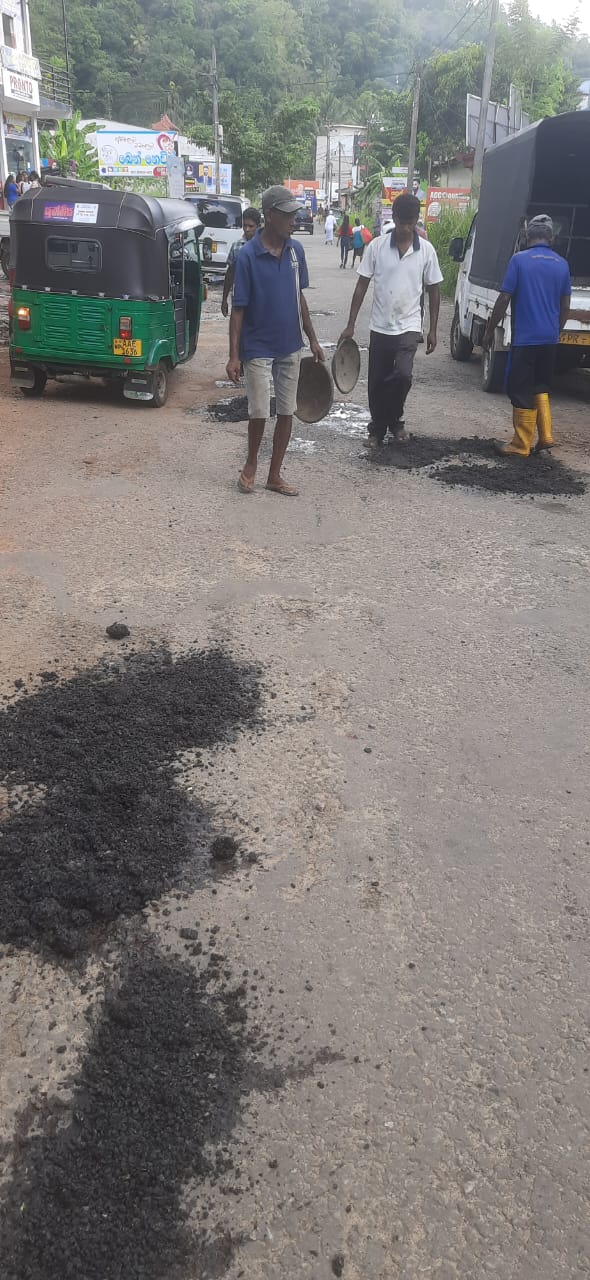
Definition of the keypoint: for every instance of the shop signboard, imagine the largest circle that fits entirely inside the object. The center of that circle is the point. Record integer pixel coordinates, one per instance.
(140, 153)
(200, 176)
(17, 60)
(20, 88)
(458, 199)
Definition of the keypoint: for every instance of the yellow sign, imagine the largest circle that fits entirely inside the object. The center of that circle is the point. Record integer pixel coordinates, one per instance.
(126, 346)
(575, 339)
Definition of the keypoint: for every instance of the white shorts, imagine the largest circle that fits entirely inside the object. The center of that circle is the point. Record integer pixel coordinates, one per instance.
(284, 373)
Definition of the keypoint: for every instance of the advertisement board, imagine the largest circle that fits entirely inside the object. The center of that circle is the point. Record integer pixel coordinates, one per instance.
(200, 176)
(441, 198)
(20, 88)
(142, 153)
(304, 189)
(396, 182)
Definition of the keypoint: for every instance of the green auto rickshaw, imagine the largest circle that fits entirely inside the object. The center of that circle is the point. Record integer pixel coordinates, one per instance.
(106, 284)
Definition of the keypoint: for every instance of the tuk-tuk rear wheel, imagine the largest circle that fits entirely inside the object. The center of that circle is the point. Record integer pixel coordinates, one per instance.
(38, 386)
(160, 386)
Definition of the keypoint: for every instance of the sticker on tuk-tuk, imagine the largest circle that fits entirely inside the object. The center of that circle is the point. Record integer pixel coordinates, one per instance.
(63, 211)
(127, 347)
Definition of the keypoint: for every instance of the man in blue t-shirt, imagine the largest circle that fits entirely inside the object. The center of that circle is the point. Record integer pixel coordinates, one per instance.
(268, 320)
(537, 284)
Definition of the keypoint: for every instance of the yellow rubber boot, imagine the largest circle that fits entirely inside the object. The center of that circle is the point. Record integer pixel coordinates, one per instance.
(525, 423)
(543, 410)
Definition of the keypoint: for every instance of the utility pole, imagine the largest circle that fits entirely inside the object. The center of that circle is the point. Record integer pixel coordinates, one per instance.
(328, 167)
(485, 98)
(215, 97)
(339, 173)
(413, 133)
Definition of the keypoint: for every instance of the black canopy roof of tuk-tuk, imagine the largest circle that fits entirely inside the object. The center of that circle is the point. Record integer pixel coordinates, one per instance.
(118, 210)
(548, 163)
(132, 230)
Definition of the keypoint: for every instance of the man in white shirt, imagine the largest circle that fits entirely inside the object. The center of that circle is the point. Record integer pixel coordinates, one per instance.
(329, 226)
(401, 265)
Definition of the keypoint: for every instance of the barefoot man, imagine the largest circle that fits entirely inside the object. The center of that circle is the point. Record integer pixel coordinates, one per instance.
(268, 321)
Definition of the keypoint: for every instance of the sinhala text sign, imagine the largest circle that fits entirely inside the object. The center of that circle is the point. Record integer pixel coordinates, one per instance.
(142, 153)
(458, 199)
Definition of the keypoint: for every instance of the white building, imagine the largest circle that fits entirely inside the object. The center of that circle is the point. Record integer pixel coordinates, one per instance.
(28, 92)
(336, 160)
(584, 92)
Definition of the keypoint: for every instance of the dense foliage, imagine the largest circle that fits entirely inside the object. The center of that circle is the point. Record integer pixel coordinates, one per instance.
(288, 66)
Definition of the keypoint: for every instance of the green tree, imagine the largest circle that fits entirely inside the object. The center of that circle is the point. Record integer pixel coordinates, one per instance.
(69, 149)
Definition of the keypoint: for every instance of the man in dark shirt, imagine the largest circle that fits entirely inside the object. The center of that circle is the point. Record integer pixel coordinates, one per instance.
(268, 320)
(537, 284)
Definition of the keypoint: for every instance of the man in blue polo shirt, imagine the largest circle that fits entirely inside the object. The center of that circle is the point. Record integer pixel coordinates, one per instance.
(268, 321)
(537, 283)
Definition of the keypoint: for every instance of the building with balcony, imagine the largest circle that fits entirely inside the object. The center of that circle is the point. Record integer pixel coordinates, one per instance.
(28, 92)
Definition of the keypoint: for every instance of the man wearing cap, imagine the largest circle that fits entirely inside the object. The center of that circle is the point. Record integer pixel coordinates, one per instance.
(401, 265)
(537, 284)
(268, 321)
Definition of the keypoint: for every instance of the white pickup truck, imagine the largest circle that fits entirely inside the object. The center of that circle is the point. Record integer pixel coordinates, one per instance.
(4, 240)
(544, 169)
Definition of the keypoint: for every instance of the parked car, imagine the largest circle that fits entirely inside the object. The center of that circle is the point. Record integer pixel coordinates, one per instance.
(519, 180)
(222, 226)
(304, 219)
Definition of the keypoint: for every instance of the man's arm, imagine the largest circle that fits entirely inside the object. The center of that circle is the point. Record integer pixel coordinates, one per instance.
(357, 300)
(227, 287)
(433, 291)
(498, 312)
(564, 311)
(308, 329)
(235, 333)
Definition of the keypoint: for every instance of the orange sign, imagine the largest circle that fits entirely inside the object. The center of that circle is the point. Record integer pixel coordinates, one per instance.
(458, 199)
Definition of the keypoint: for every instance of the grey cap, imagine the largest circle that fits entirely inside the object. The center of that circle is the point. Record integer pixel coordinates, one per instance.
(279, 198)
(541, 225)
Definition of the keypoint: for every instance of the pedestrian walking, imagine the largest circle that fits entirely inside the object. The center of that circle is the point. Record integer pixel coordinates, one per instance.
(329, 227)
(400, 264)
(344, 235)
(358, 244)
(268, 320)
(250, 223)
(11, 191)
(537, 284)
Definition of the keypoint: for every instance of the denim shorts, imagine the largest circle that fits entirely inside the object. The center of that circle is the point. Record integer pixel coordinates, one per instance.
(283, 372)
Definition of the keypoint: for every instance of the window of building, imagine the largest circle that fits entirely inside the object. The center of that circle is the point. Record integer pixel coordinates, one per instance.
(65, 254)
(8, 33)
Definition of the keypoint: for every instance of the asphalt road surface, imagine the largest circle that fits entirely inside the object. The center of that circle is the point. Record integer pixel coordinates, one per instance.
(294, 901)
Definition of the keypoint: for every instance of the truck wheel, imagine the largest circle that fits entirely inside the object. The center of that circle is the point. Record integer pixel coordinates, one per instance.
(160, 386)
(38, 386)
(493, 369)
(461, 347)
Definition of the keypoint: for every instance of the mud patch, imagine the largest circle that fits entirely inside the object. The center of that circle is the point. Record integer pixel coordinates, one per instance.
(541, 474)
(98, 1187)
(108, 828)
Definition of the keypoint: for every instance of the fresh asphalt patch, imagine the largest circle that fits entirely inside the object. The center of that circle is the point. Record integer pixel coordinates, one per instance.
(96, 823)
(540, 475)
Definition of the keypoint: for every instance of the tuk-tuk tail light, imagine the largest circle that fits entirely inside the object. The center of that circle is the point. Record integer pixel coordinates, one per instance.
(125, 327)
(23, 317)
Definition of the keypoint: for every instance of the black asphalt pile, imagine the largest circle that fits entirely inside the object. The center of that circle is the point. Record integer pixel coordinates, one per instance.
(540, 475)
(233, 409)
(106, 827)
(98, 1188)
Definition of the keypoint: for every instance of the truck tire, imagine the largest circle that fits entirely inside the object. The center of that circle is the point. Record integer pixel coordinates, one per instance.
(461, 347)
(38, 386)
(493, 369)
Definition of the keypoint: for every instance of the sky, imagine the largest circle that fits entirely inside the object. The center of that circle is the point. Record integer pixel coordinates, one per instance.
(546, 10)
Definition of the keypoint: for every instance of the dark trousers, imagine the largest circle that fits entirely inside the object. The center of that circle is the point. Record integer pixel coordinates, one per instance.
(530, 374)
(344, 249)
(357, 253)
(391, 359)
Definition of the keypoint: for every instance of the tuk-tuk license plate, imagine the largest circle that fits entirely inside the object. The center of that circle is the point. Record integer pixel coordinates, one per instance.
(126, 346)
(575, 339)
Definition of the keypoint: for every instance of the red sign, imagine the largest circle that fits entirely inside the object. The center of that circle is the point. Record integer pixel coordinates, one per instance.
(458, 199)
(54, 212)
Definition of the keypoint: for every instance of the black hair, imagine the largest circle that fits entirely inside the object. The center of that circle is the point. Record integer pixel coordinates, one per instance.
(406, 208)
(252, 215)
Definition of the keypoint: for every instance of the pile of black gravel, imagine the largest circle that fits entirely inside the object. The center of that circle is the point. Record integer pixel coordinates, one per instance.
(540, 475)
(105, 828)
(98, 1185)
(233, 409)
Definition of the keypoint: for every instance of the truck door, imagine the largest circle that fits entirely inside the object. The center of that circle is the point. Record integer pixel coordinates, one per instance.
(462, 293)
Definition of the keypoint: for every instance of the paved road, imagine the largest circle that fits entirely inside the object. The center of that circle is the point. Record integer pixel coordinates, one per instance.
(411, 942)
